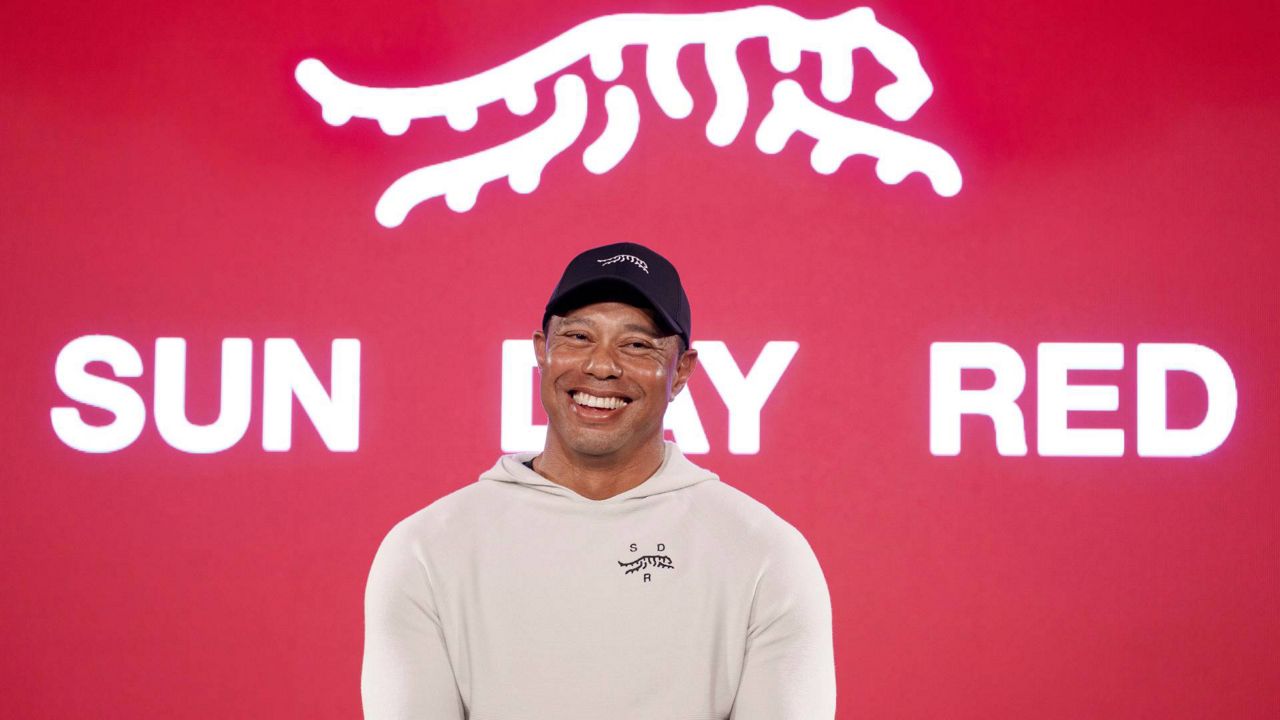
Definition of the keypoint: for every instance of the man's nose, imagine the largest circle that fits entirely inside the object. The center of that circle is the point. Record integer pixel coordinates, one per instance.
(601, 363)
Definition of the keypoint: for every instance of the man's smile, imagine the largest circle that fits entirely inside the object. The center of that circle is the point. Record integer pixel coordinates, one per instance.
(597, 406)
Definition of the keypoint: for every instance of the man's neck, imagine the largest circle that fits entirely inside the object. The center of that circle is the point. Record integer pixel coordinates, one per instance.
(599, 477)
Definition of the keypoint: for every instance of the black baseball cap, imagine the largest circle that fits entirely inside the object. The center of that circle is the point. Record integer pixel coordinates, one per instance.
(623, 272)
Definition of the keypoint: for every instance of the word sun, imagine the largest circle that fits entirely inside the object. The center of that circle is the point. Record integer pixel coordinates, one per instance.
(286, 376)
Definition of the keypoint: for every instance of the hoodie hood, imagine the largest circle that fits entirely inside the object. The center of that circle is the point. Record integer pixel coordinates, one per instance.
(675, 472)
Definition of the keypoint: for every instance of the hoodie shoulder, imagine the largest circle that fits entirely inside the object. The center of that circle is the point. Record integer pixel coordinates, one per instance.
(452, 514)
(747, 515)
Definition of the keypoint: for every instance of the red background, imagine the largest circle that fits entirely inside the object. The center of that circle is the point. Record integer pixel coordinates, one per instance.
(165, 176)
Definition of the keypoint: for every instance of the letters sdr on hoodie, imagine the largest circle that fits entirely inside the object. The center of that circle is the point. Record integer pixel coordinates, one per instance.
(515, 598)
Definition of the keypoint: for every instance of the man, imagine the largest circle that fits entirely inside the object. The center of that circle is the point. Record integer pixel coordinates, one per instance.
(606, 577)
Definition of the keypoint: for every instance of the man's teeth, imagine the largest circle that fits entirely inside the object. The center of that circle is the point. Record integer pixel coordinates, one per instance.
(606, 403)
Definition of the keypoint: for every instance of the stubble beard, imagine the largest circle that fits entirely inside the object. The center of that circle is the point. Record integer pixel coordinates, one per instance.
(598, 443)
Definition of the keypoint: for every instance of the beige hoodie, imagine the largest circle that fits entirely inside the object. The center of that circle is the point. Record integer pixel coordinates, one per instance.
(515, 598)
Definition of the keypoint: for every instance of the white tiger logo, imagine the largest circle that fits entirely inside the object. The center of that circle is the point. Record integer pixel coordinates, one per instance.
(629, 258)
(522, 159)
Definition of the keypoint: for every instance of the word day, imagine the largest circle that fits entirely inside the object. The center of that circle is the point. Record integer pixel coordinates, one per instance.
(744, 396)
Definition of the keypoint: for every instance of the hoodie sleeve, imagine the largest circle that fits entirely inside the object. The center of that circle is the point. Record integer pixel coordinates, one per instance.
(406, 673)
(789, 669)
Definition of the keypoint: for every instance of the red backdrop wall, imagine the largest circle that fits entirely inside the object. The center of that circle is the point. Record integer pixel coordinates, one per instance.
(165, 176)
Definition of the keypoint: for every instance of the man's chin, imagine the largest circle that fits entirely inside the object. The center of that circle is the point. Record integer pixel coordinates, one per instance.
(597, 445)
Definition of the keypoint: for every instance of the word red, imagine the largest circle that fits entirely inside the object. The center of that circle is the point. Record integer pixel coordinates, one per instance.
(1055, 398)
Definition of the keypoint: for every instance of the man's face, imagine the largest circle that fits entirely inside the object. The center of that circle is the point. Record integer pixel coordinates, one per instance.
(607, 375)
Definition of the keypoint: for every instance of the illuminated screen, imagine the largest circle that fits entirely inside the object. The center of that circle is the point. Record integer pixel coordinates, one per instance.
(983, 296)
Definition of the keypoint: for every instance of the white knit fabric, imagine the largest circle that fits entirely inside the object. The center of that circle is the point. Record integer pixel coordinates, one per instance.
(515, 598)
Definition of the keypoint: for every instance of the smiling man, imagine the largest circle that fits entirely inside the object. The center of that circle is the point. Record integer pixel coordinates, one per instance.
(606, 577)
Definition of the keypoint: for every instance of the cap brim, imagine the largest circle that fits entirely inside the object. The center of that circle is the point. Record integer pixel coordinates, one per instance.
(607, 289)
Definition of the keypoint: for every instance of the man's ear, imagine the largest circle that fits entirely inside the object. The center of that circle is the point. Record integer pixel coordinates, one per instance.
(684, 368)
(540, 348)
